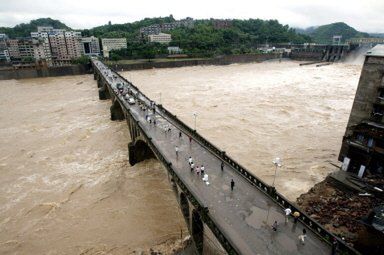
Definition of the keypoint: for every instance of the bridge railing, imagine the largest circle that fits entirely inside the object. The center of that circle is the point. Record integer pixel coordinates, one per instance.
(270, 191)
(192, 197)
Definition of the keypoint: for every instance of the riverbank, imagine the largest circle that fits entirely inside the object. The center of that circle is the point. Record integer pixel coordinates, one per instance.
(141, 64)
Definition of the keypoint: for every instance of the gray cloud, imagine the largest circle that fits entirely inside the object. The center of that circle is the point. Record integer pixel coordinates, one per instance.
(362, 15)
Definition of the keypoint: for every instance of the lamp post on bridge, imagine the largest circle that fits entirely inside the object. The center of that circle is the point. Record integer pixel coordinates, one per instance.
(277, 163)
(195, 115)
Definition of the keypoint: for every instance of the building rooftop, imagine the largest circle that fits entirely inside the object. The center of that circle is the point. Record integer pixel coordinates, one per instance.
(377, 51)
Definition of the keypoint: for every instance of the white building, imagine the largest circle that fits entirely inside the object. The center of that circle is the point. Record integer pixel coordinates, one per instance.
(174, 50)
(160, 38)
(91, 46)
(109, 44)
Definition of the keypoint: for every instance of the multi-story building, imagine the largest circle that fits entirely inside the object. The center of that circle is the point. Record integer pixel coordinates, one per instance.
(41, 47)
(165, 27)
(160, 38)
(362, 149)
(109, 44)
(26, 48)
(91, 46)
(150, 30)
(4, 54)
(56, 46)
(73, 43)
(13, 48)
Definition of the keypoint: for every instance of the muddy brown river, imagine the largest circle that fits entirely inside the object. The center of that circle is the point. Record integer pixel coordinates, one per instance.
(66, 186)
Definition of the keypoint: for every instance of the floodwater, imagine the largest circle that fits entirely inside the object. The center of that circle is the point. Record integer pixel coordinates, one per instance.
(257, 112)
(66, 186)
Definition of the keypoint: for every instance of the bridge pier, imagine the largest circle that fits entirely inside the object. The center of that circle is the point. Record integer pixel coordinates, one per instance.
(116, 111)
(138, 152)
(104, 93)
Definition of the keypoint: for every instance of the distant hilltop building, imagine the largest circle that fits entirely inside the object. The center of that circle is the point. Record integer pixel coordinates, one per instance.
(165, 27)
(362, 149)
(109, 44)
(221, 23)
(160, 38)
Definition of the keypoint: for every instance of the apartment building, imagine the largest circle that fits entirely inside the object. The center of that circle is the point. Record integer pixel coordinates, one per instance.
(4, 54)
(109, 44)
(41, 47)
(165, 27)
(362, 150)
(91, 46)
(160, 38)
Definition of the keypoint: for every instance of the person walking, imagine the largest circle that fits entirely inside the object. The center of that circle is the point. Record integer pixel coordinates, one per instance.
(287, 211)
(197, 170)
(179, 134)
(202, 168)
(190, 160)
(303, 236)
(296, 216)
(274, 226)
(222, 165)
(232, 184)
(192, 166)
(190, 139)
(177, 151)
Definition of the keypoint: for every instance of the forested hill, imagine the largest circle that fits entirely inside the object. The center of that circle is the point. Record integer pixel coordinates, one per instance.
(25, 29)
(325, 33)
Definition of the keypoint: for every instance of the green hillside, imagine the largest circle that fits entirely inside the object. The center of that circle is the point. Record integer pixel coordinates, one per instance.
(25, 29)
(324, 34)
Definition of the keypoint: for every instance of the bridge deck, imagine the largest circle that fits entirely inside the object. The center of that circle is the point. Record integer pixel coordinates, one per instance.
(245, 214)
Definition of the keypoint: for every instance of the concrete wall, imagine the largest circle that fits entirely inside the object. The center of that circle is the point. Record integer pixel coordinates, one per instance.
(49, 72)
(225, 60)
(367, 90)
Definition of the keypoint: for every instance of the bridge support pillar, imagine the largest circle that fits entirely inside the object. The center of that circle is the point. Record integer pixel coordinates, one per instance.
(138, 152)
(116, 111)
(104, 93)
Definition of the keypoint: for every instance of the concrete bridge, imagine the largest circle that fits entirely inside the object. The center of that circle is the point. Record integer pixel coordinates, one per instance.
(220, 221)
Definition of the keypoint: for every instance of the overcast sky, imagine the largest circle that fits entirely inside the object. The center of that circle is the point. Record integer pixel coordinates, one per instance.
(364, 15)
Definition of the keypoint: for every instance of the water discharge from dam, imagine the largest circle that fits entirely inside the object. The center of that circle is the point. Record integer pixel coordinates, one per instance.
(67, 187)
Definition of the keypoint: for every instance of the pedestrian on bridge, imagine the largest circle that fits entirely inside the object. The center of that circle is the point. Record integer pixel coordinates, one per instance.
(177, 151)
(190, 160)
(303, 236)
(274, 226)
(190, 139)
(197, 170)
(222, 166)
(287, 211)
(192, 166)
(232, 184)
(179, 134)
(202, 168)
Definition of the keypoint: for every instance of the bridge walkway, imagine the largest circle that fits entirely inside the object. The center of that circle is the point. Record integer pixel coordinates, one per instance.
(245, 214)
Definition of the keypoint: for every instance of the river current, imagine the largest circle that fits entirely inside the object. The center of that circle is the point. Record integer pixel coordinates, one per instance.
(66, 186)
